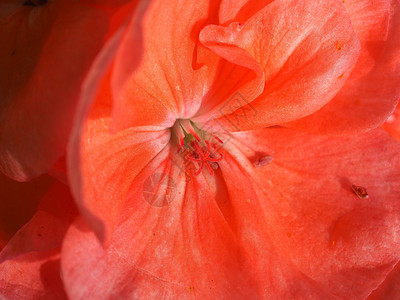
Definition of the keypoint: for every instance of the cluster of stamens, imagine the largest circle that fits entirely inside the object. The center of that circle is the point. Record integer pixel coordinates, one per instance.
(203, 151)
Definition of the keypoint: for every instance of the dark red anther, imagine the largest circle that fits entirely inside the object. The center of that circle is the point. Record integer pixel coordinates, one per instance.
(360, 191)
(263, 160)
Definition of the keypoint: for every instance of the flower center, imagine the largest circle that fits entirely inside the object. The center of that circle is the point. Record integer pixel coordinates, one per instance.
(198, 147)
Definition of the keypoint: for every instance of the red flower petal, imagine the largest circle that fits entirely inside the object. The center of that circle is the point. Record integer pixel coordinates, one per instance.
(169, 82)
(19, 202)
(35, 275)
(293, 228)
(301, 65)
(93, 120)
(44, 56)
(240, 10)
(309, 211)
(392, 125)
(373, 88)
(29, 264)
(103, 165)
(179, 250)
(390, 288)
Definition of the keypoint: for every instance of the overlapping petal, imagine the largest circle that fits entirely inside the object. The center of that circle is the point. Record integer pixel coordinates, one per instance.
(18, 203)
(103, 164)
(345, 244)
(92, 129)
(29, 264)
(291, 228)
(373, 88)
(44, 57)
(169, 82)
(108, 165)
(181, 250)
(392, 124)
(390, 288)
(306, 50)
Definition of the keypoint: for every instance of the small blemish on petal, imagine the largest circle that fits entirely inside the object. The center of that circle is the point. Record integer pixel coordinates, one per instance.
(341, 76)
(263, 160)
(339, 46)
(360, 191)
(289, 234)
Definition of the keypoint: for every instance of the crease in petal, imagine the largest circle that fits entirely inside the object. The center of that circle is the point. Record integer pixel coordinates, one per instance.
(103, 164)
(389, 288)
(240, 80)
(177, 246)
(372, 91)
(95, 107)
(301, 64)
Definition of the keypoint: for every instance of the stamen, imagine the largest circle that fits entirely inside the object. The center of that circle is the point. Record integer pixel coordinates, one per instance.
(198, 147)
(217, 138)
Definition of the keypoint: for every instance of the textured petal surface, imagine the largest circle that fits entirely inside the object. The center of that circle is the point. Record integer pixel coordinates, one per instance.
(94, 153)
(390, 288)
(168, 83)
(171, 242)
(240, 10)
(345, 244)
(302, 47)
(29, 264)
(373, 88)
(292, 228)
(103, 164)
(44, 56)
